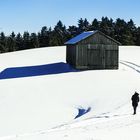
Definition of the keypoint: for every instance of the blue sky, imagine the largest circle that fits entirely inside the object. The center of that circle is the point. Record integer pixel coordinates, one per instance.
(31, 15)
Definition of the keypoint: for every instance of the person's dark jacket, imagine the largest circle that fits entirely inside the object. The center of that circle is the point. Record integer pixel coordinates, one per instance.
(135, 99)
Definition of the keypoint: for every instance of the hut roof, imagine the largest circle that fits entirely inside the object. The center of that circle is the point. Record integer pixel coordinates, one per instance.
(80, 37)
(84, 35)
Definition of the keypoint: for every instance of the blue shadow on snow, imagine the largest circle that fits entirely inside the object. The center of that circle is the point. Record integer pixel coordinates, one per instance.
(28, 71)
(82, 111)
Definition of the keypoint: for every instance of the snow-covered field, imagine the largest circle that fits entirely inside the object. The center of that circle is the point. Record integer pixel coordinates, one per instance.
(40, 96)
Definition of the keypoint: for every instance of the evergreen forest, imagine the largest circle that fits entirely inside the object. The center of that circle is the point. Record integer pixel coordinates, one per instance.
(127, 33)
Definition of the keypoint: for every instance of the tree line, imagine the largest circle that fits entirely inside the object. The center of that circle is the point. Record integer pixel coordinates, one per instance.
(125, 32)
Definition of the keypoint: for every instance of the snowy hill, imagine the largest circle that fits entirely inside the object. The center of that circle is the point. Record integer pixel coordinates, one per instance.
(41, 96)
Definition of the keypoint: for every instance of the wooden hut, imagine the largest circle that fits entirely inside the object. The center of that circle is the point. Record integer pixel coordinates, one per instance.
(92, 50)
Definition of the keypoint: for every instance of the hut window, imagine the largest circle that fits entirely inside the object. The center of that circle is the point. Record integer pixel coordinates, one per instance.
(89, 46)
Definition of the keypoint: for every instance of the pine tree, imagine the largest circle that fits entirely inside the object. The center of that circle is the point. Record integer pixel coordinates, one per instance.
(72, 32)
(43, 37)
(95, 25)
(12, 35)
(34, 40)
(60, 34)
(107, 26)
(19, 41)
(120, 31)
(3, 47)
(132, 32)
(138, 36)
(83, 25)
(11, 44)
(26, 40)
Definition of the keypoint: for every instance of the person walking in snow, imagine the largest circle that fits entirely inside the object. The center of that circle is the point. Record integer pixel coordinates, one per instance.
(135, 100)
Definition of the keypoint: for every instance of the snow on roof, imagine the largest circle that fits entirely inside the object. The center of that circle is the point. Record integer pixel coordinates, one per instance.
(80, 37)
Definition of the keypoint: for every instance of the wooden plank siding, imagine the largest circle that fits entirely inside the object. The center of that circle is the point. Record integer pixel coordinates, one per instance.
(71, 54)
(81, 57)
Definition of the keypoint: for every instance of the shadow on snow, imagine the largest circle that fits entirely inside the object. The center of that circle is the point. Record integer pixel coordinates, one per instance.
(82, 111)
(28, 71)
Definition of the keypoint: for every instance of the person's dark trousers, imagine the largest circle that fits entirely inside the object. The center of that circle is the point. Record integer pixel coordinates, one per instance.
(135, 107)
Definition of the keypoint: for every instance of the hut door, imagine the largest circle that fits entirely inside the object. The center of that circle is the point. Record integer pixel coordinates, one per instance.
(93, 58)
(96, 57)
